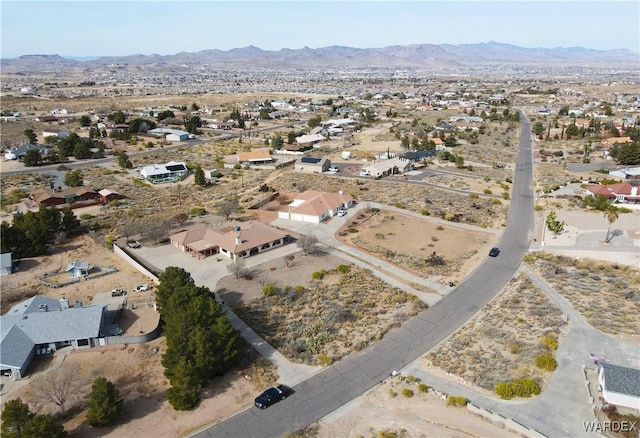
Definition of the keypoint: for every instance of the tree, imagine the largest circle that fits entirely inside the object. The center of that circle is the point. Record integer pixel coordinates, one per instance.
(237, 267)
(15, 417)
(32, 157)
(74, 178)
(314, 121)
(459, 162)
(611, 214)
(44, 425)
(123, 160)
(198, 176)
(554, 225)
(70, 223)
(167, 114)
(277, 142)
(194, 107)
(32, 137)
(538, 128)
(626, 153)
(117, 117)
(60, 386)
(308, 243)
(228, 207)
(104, 404)
(85, 121)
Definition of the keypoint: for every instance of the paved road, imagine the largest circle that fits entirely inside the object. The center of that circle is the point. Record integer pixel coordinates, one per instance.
(354, 375)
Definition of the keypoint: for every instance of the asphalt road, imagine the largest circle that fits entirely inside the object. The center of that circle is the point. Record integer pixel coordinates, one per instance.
(351, 377)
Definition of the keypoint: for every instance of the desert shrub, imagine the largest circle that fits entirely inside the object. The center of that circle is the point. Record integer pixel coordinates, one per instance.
(398, 204)
(392, 393)
(474, 196)
(487, 191)
(411, 378)
(407, 392)
(546, 362)
(318, 275)
(517, 388)
(198, 211)
(86, 216)
(352, 230)
(449, 216)
(389, 434)
(325, 360)
(109, 241)
(550, 341)
(505, 195)
(439, 228)
(515, 348)
(299, 288)
(424, 212)
(422, 387)
(434, 238)
(342, 269)
(495, 201)
(454, 400)
(269, 290)
(379, 235)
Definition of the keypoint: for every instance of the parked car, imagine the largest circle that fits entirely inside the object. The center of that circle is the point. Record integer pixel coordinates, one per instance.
(272, 395)
(342, 212)
(118, 292)
(142, 288)
(133, 244)
(334, 169)
(494, 252)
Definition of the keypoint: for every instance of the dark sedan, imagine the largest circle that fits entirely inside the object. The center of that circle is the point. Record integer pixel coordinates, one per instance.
(272, 395)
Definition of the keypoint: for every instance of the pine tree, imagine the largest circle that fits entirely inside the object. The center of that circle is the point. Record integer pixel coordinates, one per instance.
(198, 176)
(15, 417)
(105, 403)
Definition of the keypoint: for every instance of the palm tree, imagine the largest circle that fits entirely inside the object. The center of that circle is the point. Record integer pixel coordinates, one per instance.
(611, 214)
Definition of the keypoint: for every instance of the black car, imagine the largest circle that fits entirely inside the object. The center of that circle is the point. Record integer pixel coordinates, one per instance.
(272, 395)
(494, 252)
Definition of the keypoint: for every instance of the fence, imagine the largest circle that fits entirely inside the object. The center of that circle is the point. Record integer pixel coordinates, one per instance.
(508, 422)
(138, 339)
(124, 255)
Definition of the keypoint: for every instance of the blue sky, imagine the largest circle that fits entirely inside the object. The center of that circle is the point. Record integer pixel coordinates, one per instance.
(103, 28)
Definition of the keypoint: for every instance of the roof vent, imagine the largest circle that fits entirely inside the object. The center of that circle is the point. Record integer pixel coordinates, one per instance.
(77, 304)
(237, 227)
(42, 308)
(64, 303)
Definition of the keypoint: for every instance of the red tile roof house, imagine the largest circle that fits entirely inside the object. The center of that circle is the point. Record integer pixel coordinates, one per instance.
(241, 240)
(622, 192)
(315, 207)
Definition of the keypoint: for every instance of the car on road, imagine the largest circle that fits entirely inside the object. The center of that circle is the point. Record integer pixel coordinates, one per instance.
(494, 252)
(133, 244)
(272, 395)
(142, 288)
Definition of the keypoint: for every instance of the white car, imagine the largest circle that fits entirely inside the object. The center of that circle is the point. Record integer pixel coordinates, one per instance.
(142, 288)
(342, 212)
(334, 169)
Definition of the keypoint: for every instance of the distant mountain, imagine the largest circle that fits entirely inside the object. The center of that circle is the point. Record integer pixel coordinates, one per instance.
(417, 56)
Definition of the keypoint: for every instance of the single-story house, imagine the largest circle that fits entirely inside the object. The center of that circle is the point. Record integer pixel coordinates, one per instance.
(312, 164)
(55, 133)
(18, 153)
(420, 155)
(616, 140)
(171, 134)
(41, 325)
(622, 192)
(241, 240)
(6, 263)
(161, 173)
(388, 167)
(309, 139)
(78, 269)
(46, 119)
(315, 207)
(628, 173)
(620, 385)
(258, 156)
(107, 195)
(81, 196)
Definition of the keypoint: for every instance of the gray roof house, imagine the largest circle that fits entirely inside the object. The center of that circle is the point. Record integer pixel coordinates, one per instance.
(41, 325)
(620, 385)
(78, 269)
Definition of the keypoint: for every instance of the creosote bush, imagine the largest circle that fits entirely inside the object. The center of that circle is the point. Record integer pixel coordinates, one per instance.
(517, 388)
(454, 400)
(422, 387)
(407, 392)
(546, 362)
(342, 269)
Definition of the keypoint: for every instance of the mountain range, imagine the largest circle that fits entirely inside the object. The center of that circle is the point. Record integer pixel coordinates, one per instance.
(407, 56)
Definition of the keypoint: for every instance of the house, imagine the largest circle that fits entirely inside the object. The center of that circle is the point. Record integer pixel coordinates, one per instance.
(608, 142)
(258, 156)
(18, 153)
(212, 174)
(620, 385)
(420, 155)
(170, 134)
(78, 269)
(46, 119)
(107, 195)
(312, 164)
(315, 207)
(42, 325)
(73, 196)
(161, 173)
(239, 241)
(622, 192)
(6, 263)
(55, 133)
(309, 139)
(392, 166)
(627, 173)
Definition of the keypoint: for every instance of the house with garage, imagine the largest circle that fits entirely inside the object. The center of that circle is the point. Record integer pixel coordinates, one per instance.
(255, 157)
(162, 173)
(621, 192)
(393, 166)
(315, 207)
(18, 153)
(620, 385)
(73, 197)
(312, 164)
(41, 325)
(309, 139)
(236, 241)
(170, 134)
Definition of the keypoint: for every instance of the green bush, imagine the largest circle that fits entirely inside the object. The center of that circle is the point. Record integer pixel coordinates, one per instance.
(517, 388)
(424, 212)
(546, 362)
(398, 204)
(269, 290)
(550, 341)
(392, 393)
(198, 211)
(317, 275)
(299, 288)
(453, 400)
(474, 196)
(538, 207)
(422, 387)
(325, 360)
(342, 269)
(505, 195)
(411, 378)
(352, 230)
(487, 191)
(407, 393)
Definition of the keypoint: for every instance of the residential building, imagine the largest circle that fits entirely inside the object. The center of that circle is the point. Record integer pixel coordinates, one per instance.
(254, 157)
(40, 326)
(620, 385)
(18, 153)
(170, 134)
(622, 192)
(78, 269)
(107, 195)
(237, 241)
(312, 164)
(55, 133)
(162, 173)
(392, 166)
(627, 173)
(73, 197)
(315, 206)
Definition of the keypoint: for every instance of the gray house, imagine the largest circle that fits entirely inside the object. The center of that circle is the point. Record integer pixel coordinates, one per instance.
(41, 325)
(78, 269)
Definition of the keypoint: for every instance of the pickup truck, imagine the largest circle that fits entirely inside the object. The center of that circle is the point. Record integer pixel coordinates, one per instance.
(272, 395)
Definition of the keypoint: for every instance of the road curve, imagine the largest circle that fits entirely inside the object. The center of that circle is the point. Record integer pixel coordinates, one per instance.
(342, 382)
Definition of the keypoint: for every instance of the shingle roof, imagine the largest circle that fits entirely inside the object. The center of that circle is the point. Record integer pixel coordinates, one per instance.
(621, 380)
(316, 203)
